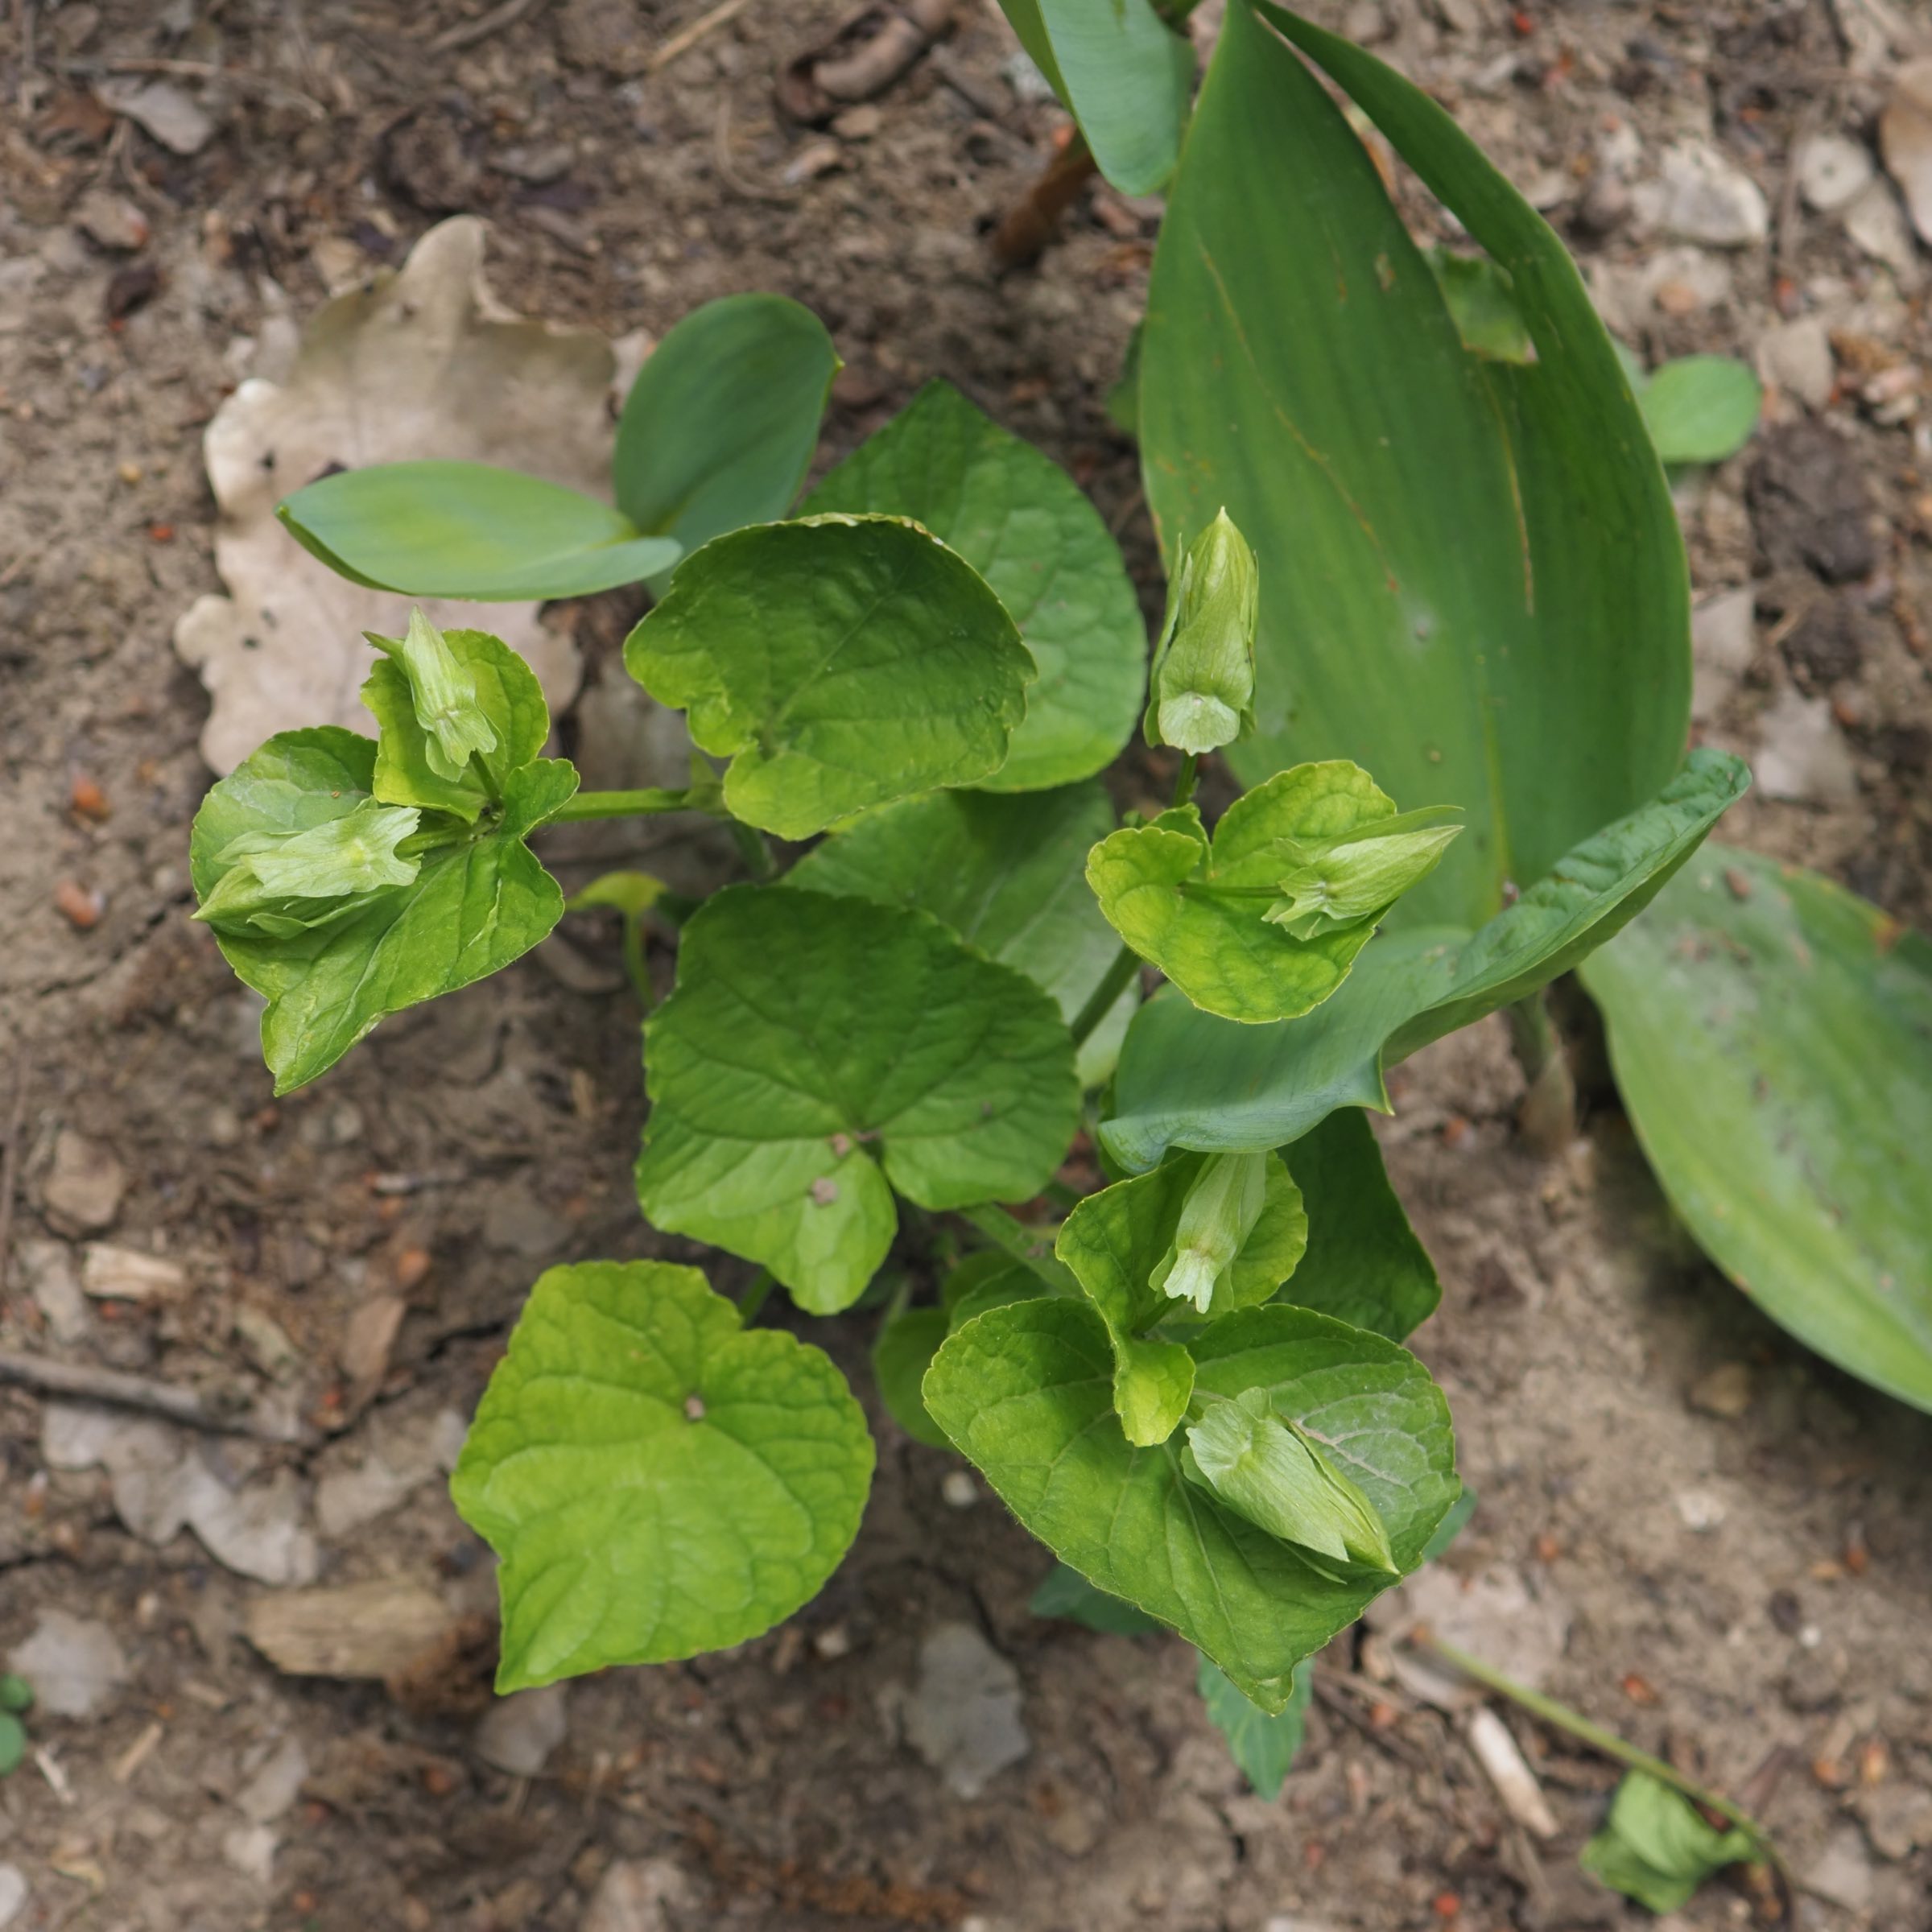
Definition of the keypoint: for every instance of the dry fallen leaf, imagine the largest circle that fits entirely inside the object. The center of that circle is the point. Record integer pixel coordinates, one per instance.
(1904, 135)
(422, 362)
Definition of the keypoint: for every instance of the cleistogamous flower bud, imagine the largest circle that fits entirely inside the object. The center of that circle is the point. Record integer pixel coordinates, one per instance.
(444, 694)
(278, 885)
(1218, 1213)
(1200, 694)
(1331, 884)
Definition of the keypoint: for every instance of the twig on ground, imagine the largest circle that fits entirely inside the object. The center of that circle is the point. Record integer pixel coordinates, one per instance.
(686, 38)
(77, 1382)
(727, 168)
(9, 1159)
(466, 33)
(1334, 1699)
(245, 78)
(1021, 239)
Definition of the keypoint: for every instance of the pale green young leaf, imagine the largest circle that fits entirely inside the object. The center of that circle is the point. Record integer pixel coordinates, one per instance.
(657, 1480)
(478, 901)
(1264, 1747)
(1701, 409)
(1004, 872)
(1188, 1079)
(723, 417)
(470, 530)
(839, 662)
(820, 1052)
(902, 1352)
(633, 894)
(1026, 1392)
(509, 704)
(1022, 523)
(1655, 1848)
(1196, 908)
(1201, 692)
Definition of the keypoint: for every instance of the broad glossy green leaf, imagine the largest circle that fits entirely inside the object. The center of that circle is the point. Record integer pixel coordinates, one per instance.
(1771, 1035)
(720, 423)
(1472, 575)
(509, 701)
(1026, 1392)
(1066, 1593)
(657, 1480)
(1123, 74)
(1363, 1264)
(1022, 523)
(1656, 1848)
(1701, 409)
(902, 1352)
(1188, 1079)
(1197, 908)
(817, 1048)
(477, 902)
(840, 662)
(1264, 1747)
(1005, 873)
(470, 530)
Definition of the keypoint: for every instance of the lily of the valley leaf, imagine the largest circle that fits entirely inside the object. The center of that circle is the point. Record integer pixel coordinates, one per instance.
(1268, 1469)
(1338, 883)
(281, 884)
(1222, 1203)
(445, 696)
(1201, 695)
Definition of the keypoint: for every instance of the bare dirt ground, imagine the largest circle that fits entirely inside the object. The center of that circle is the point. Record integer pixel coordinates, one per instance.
(1737, 1569)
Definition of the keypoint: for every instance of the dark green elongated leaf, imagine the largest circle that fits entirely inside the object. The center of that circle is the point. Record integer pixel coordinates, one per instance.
(477, 902)
(1452, 1526)
(1264, 1747)
(1363, 1264)
(1701, 409)
(1005, 873)
(1472, 575)
(816, 1049)
(1656, 1849)
(1123, 74)
(1188, 1079)
(1771, 1035)
(840, 662)
(657, 1480)
(988, 1278)
(470, 530)
(902, 1353)
(1022, 523)
(1026, 1392)
(720, 426)
(1066, 1593)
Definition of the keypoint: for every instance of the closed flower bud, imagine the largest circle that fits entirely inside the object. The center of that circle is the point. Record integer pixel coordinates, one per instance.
(1334, 883)
(444, 694)
(278, 884)
(1217, 1215)
(1201, 694)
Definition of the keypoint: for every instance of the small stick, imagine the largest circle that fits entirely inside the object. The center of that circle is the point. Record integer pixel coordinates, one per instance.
(202, 70)
(1022, 238)
(9, 1160)
(453, 39)
(686, 38)
(80, 1383)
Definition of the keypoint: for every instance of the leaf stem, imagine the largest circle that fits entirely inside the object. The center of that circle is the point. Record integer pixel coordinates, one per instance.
(1027, 1245)
(1126, 963)
(753, 850)
(753, 1300)
(1184, 778)
(621, 804)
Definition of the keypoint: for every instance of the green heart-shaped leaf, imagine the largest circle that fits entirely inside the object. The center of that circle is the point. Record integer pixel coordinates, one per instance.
(1701, 409)
(816, 1049)
(1026, 1392)
(1005, 874)
(1263, 1747)
(657, 1480)
(1188, 1079)
(723, 417)
(1197, 907)
(470, 530)
(1021, 522)
(839, 662)
(900, 1354)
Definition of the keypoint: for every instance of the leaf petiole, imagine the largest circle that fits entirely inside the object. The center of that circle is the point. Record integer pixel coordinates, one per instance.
(1032, 1246)
(622, 804)
(1126, 963)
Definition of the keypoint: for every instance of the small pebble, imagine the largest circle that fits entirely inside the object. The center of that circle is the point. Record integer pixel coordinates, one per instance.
(959, 1490)
(1725, 1392)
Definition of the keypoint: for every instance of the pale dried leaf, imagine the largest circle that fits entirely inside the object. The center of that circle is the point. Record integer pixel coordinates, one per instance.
(359, 1630)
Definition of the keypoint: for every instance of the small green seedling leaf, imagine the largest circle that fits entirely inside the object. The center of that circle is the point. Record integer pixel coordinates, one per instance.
(817, 1048)
(1701, 409)
(1218, 1212)
(1198, 908)
(1336, 883)
(839, 662)
(1269, 1469)
(657, 1480)
(1201, 693)
(1065, 1593)
(470, 530)
(1654, 1847)
(1122, 1245)
(1026, 1392)
(1023, 523)
(902, 1353)
(13, 1743)
(477, 899)
(1264, 1747)
(633, 894)
(1004, 872)
(16, 1694)
(723, 417)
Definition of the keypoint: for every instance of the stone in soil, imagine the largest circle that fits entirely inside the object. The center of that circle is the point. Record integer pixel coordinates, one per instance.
(1796, 358)
(83, 1190)
(963, 1713)
(519, 1732)
(14, 1893)
(1802, 756)
(632, 1896)
(1809, 506)
(74, 1665)
(1832, 169)
(1702, 196)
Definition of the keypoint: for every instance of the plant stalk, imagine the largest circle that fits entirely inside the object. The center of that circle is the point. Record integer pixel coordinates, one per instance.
(621, 804)
(753, 850)
(753, 1300)
(1025, 1244)
(1126, 963)
(1184, 778)
(1547, 1116)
